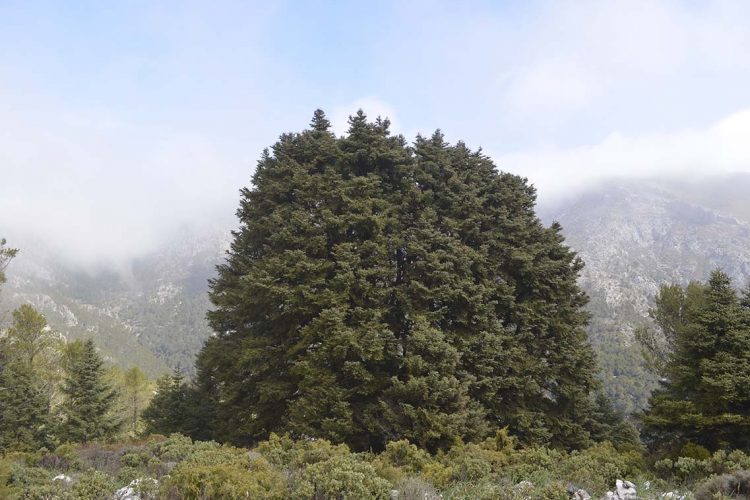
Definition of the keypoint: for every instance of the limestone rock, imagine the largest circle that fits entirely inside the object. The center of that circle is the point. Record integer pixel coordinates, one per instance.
(130, 492)
(624, 490)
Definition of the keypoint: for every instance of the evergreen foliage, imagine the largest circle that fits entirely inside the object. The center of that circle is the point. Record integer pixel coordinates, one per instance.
(26, 381)
(88, 397)
(6, 255)
(25, 418)
(377, 291)
(169, 409)
(702, 351)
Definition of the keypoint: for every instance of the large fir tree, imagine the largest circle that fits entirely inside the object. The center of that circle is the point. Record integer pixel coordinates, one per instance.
(88, 398)
(376, 291)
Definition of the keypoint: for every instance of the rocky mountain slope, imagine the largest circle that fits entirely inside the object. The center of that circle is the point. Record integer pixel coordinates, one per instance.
(636, 235)
(149, 313)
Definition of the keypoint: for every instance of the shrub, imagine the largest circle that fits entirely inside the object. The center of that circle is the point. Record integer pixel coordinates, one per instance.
(596, 469)
(339, 477)
(96, 457)
(136, 458)
(472, 490)
(24, 477)
(219, 455)
(722, 462)
(126, 474)
(225, 481)
(534, 464)
(43, 491)
(173, 449)
(689, 470)
(735, 485)
(413, 488)
(93, 485)
(401, 459)
(64, 458)
(284, 452)
(6, 489)
(555, 490)
(474, 461)
(695, 451)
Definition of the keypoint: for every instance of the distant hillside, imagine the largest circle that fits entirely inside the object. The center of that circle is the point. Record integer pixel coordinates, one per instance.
(150, 314)
(636, 235)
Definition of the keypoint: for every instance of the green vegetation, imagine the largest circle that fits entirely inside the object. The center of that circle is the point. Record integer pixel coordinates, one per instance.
(702, 353)
(279, 468)
(89, 399)
(378, 291)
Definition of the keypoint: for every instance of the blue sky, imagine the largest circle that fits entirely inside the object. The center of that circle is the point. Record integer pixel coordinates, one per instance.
(138, 117)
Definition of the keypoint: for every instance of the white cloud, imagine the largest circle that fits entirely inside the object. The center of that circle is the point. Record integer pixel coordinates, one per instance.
(720, 148)
(549, 86)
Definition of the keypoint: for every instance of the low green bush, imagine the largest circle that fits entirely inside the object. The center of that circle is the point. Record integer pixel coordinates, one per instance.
(341, 477)
(734, 485)
(93, 485)
(259, 480)
(596, 469)
(283, 451)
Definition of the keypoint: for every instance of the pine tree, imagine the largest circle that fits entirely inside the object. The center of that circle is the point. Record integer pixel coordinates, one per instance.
(705, 393)
(6, 255)
(88, 398)
(376, 291)
(25, 418)
(169, 410)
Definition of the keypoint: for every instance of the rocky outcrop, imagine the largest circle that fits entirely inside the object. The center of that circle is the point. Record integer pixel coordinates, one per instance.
(624, 490)
(132, 491)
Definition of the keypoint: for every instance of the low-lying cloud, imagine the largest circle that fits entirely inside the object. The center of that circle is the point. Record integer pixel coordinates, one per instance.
(717, 149)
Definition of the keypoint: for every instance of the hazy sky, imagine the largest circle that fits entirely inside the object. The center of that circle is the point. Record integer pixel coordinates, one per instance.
(120, 121)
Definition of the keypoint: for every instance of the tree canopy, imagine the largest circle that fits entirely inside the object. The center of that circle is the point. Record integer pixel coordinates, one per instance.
(377, 290)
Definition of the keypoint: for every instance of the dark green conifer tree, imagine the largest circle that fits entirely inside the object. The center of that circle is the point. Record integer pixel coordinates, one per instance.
(704, 397)
(88, 398)
(167, 411)
(25, 419)
(376, 291)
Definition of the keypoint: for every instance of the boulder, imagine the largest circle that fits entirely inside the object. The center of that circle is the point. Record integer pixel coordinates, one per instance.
(130, 492)
(673, 495)
(62, 477)
(624, 490)
(578, 493)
